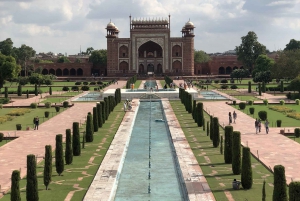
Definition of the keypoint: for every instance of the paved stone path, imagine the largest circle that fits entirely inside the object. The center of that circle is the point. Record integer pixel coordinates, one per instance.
(272, 149)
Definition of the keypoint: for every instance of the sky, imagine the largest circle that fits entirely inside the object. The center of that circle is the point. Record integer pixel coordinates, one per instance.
(63, 26)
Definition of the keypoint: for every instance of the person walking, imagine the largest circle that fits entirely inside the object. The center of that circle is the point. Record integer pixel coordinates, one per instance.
(230, 118)
(234, 116)
(267, 126)
(125, 106)
(36, 123)
(259, 125)
(256, 125)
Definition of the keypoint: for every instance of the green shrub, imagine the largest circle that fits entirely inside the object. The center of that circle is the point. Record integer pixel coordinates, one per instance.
(57, 108)
(297, 101)
(242, 105)
(279, 191)
(297, 132)
(1, 106)
(48, 104)
(92, 83)
(31, 179)
(199, 114)
(246, 175)
(76, 139)
(281, 86)
(294, 191)
(33, 105)
(89, 128)
(85, 83)
(99, 82)
(50, 90)
(281, 102)
(68, 151)
(15, 186)
(236, 152)
(65, 104)
(228, 144)
(65, 88)
(36, 91)
(18, 112)
(233, 86)
(249, 87)
(20, 90)
(250, 102)
(263, 115)
(224, 86)
(85, 88)
(59, 155)
(251, 110)
(103, 111)
(278, 123)
(77, 83)
(265, 101)
(19, 127)
(47, 114)
(1, 137)
(48, 166)
(216, 137)
(234, 102)
(75, 88)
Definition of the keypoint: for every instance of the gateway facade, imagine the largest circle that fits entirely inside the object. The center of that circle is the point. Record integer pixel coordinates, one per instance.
(150, 49)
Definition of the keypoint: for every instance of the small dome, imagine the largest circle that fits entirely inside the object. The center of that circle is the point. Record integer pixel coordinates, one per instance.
(110, 25)
(189, 24)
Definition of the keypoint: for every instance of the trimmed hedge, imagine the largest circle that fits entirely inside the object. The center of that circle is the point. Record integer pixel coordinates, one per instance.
(263, 115)
(59, 155)
(296, 131)
(281, 102)
(297, 102)
(199, 114)
(65, 104)
(95, 119)
(266, 102)
(85, 88)
(15, 186)
(32, 192)
(278, 123)
(76, 139)
(99, 115)
(211, 128)
(68, 151)
(33, 105)
(47, 114)
(228, 144)
(246, 175)
(89, 128)
(251, 110)
(65, 88)
(249, 87)
(242, 105)
(216, 137)
(294, 191)
(57, 108)
(48, 166)
(48, 104)
(250, 102)
(236, 152)
(279, 191)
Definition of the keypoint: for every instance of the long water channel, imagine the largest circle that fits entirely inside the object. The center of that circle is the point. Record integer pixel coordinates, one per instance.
(150, 170)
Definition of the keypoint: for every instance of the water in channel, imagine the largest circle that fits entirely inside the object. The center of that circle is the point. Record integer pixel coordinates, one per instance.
(149, 171)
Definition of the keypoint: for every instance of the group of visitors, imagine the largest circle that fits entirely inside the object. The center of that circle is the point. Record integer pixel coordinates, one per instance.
(36, 122)
(234, 115)
(127, 105)
(257, 124)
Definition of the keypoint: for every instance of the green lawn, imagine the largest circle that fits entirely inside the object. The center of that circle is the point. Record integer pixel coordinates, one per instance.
(218, 174)
(55, 99)
(273, 116)
(84, 167)
(27, 119)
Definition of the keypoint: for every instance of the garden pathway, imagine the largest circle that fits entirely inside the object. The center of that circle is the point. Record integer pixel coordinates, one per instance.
(271, 149)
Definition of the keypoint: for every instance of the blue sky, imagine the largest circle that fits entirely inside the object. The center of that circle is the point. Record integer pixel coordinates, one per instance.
(62, 26)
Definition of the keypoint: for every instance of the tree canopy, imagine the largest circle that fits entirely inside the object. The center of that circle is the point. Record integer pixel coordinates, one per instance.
(201, 57)
(239, 74)
(249, 50)
(292, 45)
(6, 47)
(262, 63)
(8, 68)
(263, 76)
(63, 59)
(287, 65)
(98, 57)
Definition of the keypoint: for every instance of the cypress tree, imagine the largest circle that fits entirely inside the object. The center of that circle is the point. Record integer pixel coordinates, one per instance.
(48, 166)
(103, 111)
(281, 86)
(68, 151)
(15, 186)
(6, 92)
(19, 90)
(190, 103)
(76, 139)
(236, 152)
(246, 175)
(249, 87)
(221, 145)
(259, 89)
(31, 180)
(59, 156)
(36, 92)
(294, 191)
(279, 191)
(83, 139)
(95, 119)
(106, 108)
(27, 94)
(211, 128)
(50, 90)
(99, 114)
(216, 135)
(264, 191)
(203, 124)
(228, 144)
(200, 114)
(194, 111)
(89, 128)
(207, 130)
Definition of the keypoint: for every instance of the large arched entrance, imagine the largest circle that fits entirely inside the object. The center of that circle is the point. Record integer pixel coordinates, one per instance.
(141, 69)
(151, 55)
(150, 68)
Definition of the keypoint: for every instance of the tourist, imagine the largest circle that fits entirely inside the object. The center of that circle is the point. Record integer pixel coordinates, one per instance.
(125, 106)
(256, 126)
(259, 125)
(267, 126)
(36, 123)
(234, 116)
(230, 118)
